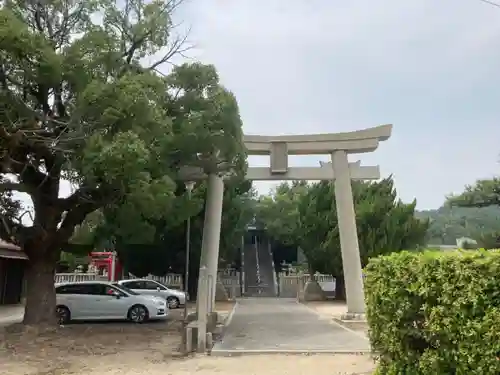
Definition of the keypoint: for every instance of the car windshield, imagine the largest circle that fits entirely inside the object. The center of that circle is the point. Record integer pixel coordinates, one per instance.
(125, 289)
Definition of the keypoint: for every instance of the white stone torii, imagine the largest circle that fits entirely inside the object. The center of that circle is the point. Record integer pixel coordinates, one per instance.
(338, 145)
(341, 171)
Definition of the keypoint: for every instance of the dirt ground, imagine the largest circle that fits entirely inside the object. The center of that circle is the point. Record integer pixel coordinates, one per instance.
(154, 348)
(78, 348)
(83, 347)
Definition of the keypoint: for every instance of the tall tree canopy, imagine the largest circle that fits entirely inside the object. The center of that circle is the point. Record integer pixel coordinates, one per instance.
(481, 195)
(305, 215)
(447, 224)
(158, 247)
(82, 100)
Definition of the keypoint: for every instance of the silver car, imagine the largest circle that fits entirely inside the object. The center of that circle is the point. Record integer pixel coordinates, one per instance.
(96, 300)
(175, 298)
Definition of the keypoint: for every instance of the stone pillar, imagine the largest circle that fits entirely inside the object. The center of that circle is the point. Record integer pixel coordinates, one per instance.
(202, 310)
(211, 238)
(351, 260)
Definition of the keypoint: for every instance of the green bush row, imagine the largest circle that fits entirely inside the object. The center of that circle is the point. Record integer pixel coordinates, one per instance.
(435, 313)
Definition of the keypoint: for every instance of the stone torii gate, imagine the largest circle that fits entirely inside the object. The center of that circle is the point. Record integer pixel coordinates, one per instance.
(338, 145)
(340, 170)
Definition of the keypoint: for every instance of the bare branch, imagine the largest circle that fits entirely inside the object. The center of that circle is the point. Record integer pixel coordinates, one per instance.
(178, 47)
(490, 3)
(20, 218)
(11, 231)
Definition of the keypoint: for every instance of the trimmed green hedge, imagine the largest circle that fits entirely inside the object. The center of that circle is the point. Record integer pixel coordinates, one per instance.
(435, 313)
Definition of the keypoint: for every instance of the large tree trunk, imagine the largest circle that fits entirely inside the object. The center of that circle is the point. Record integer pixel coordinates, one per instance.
(340, 294)
(40, 292)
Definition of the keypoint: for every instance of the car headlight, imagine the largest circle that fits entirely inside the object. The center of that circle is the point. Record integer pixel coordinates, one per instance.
(160, 303)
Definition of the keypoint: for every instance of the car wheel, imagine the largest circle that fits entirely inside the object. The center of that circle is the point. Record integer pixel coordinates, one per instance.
(63, 315)
(138, 314)
(173, 302)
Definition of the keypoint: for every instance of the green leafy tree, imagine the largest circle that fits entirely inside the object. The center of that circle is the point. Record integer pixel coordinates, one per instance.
(164, 251)
(167, 241)
(384, 223)
(483, 193)
(483, 199)
(279, 213)
(448, 223)
(82, 101)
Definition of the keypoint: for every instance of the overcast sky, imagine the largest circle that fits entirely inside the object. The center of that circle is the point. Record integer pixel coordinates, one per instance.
(431, 68)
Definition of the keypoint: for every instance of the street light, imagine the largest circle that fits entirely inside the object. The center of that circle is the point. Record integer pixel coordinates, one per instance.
(189, 188)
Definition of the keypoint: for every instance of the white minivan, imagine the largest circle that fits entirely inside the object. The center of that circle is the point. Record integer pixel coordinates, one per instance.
(102, 300)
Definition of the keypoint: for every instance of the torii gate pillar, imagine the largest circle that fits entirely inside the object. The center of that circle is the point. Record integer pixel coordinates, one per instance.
(351, 259)
(337, 145)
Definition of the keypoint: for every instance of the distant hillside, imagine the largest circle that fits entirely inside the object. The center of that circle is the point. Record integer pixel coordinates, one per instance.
(448, 224)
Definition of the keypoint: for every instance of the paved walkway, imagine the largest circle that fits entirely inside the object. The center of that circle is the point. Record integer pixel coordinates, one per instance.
(279, 325)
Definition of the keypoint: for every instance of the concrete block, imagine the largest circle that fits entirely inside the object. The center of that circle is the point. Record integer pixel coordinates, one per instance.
(220, 292)
(201, 338)
(209, 340)
(313, 292)
(191, 337)
(192, 317)
(212, 319)
(353, 317)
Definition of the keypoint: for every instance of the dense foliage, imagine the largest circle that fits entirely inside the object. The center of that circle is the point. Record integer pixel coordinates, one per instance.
(475, 213)
(435, 312)
(448, 223)
(163, 250)
(82, 99)
(305, 215)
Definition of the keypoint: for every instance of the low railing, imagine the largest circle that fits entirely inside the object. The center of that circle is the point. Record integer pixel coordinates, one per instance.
(231, 284)
(229, 272)
(290, 285)
(230, 279)
(172, 280)
(77, 277)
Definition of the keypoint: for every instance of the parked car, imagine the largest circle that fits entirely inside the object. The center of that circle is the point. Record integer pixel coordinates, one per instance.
(96, 300)
(175, 298)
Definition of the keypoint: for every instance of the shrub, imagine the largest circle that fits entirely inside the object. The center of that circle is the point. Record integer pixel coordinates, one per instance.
(434, 313)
